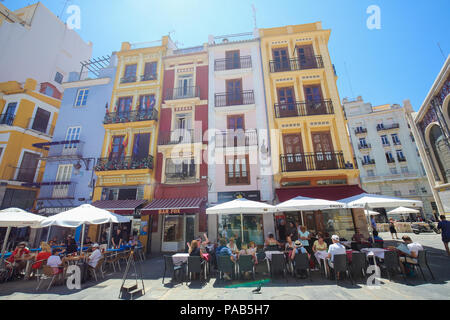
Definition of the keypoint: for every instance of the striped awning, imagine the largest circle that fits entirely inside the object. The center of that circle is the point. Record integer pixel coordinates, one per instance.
(119, 206)
(173, 205)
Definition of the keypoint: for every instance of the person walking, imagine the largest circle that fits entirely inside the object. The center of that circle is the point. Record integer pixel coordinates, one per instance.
(444, 225)
(392, 229)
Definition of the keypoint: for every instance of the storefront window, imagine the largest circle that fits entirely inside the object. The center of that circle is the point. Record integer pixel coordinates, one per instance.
(251, 229)
(173, 229)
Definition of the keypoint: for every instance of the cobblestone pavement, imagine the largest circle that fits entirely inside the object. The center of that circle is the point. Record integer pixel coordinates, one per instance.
(278, 289)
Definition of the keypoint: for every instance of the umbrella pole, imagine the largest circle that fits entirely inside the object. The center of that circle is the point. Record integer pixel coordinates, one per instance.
(109, 234)
(370, 223)
(48, 233)
(8, 231)
(82, 240)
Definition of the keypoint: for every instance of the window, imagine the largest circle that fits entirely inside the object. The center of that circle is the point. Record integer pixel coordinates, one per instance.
(404, 169)
(141, 145)
(371, 173)
(73, 133)
(395, 139)
(41, 120)
(423, 189)
(237, 170)
(147, 102)
(117, 148)
(28, 167)
(130, 70)
(185, 86)
(232, 59)
(180, 170)
(49, 91)
(64, 174)
(413, 192)
(236, 225)
(400, 155)
(384, 140)
(124, 104)
(362, 142)
(59, 77)
(393, 170)
(149, 71)
(389, 157)
(366, 159)
(81, 97)
(8, 116)
(397, 193)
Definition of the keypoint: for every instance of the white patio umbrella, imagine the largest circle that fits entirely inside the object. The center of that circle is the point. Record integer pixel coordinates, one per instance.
(402, 211)
(371, 213)
(303, 203)
(82, 215)
(367, 200)
(15, 217)
(242, 205)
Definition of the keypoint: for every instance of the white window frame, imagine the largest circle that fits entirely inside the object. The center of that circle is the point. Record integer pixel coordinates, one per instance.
(84, 97)
(20, 162)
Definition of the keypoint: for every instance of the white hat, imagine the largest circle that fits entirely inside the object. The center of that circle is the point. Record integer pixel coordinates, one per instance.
(335, 237)
(95, 245)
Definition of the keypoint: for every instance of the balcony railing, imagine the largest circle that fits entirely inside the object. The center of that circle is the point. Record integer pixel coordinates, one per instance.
(360, 130)
(390, 160)
(180, 177)
(302, 109)
(368, 162)
(294, 64)
(364, 146)
(392, 126)
(66, 148)
(236, 138)
(129, 79)
(234, 98)
(149, 76)
(386, 144)
(397, 143)
(7, 119)
(130, 116)
(401, 159)
(20, 174)
(312, 161)
(57, 190)
(124, 163)
(179, 136)
(182, 93)
(243, 62)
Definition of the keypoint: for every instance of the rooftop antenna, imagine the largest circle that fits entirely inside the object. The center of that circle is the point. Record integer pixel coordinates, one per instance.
(442, 52)
(254, 15)
(64, 8)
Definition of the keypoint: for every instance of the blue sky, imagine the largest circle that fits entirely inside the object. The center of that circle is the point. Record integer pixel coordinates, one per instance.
(399, 61)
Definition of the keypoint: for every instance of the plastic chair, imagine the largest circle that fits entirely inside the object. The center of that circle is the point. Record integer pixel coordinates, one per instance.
(422, 262)
(340, 264)
(47, 273)
(246, 264)
(169, 266)
(98, 267)
(195, 265)
(225, 265)
(391, 262)
(278, 264)
(301, 263)
(359, 263)
(111, 259)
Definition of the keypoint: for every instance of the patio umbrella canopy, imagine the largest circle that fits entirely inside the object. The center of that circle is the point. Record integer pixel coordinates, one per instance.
(378, 201)
(303, 203)
(402, 210)
(84, 214)
(239, 206)
(371, 213)
(15, 217)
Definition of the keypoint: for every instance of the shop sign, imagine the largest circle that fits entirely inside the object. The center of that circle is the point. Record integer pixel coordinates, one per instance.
(169, 211)
(229, 196)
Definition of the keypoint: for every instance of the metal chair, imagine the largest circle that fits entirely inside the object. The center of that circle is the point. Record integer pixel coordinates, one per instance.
(169, 266)
(391, 262)
(112, 259)
(98, 267)
(195, 265)
(359, 264)
(301, 263)
(246, 264)
(278, 264)
(225, 265)
(340, 264)
(422, 261)
(47, 273)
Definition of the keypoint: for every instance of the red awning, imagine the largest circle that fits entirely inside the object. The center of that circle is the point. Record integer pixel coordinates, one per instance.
(126, 207)
(332, 193)
(173, 205)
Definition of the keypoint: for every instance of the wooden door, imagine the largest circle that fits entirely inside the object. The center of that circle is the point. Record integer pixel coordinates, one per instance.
(281, 59)
(286, 101)
(232, 59)
(314, 100)
(306, 57)
(234, 92)
(294, 158)
(236, 130)
(324, 157)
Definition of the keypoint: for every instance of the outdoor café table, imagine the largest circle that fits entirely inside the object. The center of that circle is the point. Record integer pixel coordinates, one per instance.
(322, 255)
(180, 258)
(374, 252)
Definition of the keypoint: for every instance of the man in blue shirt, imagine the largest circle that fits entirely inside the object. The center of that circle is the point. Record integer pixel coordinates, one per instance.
(444, 225)
(223, 250)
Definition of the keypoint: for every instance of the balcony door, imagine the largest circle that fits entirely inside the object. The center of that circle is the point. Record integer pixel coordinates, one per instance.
(72, 134)
(8, 117)
(286, 100)
(185, 86)
(234, 92)
(64, 174)
(236, 130)
(141, 146)
(306, 57)
(232, 59)
(314, 100)
(183, 132)
(41, 120)
(117, 151)
(28, 167)
(293, 150)
(324, 154)
(281, 59)
(124, 105)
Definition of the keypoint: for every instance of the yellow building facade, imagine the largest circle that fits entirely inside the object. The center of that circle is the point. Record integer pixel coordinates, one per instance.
(28, 117)
(125, 173)
(310, 148)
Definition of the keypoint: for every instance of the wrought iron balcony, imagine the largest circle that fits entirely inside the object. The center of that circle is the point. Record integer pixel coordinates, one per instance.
(302, 109)
(368, 162)
(392, 126)
(149, 76)
(7, 119)
(182, 93)
(130, 116)
(312, 161)
(386, 144)
(179, 136)
(236, 138)
(390, 160)
(234, 98)
(73, 148)
(401, 159)
(124, 163)
(129, 79)
(397, 143)
(57, 190)
(360, 130)
(364, 146)
(243, 62)
(295, 64)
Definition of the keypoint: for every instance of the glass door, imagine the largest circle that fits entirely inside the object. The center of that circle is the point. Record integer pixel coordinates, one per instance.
(64, 175)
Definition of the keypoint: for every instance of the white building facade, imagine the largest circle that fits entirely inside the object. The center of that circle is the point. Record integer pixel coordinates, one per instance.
(238, 157)
(37, 44)
(386, 152)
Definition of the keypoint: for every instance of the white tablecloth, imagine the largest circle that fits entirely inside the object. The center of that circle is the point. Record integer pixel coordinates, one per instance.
(321, 255)
(377, 252)
(180, 258)
(347, 243)
(269, 254)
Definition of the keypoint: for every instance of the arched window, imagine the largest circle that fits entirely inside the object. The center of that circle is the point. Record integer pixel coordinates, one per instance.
(441, 151)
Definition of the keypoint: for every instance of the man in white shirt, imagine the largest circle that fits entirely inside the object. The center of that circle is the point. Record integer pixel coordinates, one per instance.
(413, 248)
(95, 256)
(334, 249)
(55, 262)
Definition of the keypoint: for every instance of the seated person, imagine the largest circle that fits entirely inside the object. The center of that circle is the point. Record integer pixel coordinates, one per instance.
(223, 251)
(319, 246)
(95, 256)
(243, 250)
(19, 257)
(289, 247)
(410, 257)
(88, 241)
(299, 248)
(271, 241)
(252, 250)
(335, 249)
(55, 262)
(232, 245)
(132, 241)
(41, 257)
(71, 246)
(357, 237)
(376, 237)
(194, 250)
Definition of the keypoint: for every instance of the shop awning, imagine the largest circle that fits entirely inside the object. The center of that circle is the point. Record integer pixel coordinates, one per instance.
(124, 207)
(173, 205)
(332, 193)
